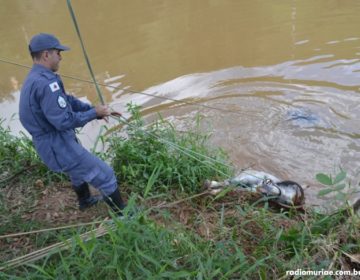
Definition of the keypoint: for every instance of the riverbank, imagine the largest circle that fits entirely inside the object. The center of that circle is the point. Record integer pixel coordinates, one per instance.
(178, 231)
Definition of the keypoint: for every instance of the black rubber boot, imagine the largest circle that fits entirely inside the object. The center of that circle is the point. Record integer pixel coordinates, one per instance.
(115, 201)
(84, 197)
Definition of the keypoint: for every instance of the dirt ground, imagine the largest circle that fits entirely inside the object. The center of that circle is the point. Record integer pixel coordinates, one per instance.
(56, 205)
(37, 207)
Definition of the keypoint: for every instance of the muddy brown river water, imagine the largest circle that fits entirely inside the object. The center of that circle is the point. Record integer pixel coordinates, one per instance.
(277, 83)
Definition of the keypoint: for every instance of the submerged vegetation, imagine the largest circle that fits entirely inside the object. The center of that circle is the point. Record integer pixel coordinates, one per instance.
(178, 232)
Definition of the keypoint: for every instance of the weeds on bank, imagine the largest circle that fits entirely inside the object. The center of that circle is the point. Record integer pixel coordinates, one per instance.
(20, 168)
(19, 160)
(246, 243)
(157, 158)
(206, 238)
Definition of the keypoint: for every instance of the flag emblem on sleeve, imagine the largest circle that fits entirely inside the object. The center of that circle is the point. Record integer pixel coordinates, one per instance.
(54, 86)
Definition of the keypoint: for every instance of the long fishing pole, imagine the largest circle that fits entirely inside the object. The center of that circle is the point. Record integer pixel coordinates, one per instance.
(73, 17)
(100, 95)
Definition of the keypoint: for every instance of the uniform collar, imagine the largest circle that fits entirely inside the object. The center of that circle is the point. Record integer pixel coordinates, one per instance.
(38, 68)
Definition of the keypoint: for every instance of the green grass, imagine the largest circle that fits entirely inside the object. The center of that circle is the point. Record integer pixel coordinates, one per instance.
(20, 168)
(143, 249)
(19, 160)
(145, 161)
(201, 238)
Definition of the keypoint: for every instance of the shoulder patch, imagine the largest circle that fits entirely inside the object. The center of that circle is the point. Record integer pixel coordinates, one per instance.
(61, 102)
(54, 86)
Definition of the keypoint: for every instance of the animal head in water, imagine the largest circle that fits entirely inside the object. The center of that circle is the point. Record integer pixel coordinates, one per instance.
(292, 192)
(284, 192)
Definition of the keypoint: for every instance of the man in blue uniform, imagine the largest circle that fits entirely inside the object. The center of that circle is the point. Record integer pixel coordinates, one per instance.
(50, 116)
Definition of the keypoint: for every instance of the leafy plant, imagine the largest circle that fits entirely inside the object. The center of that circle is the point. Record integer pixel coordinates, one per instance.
(336, 185)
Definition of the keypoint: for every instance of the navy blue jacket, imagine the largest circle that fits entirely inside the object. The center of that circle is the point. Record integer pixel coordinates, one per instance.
(50, 116)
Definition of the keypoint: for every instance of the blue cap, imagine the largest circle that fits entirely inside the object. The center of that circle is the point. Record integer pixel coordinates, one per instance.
(44, 41)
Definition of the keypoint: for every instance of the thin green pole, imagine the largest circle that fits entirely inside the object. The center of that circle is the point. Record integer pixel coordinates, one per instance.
(98, 91)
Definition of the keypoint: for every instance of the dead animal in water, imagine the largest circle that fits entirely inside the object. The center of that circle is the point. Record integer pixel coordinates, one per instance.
(284, 193)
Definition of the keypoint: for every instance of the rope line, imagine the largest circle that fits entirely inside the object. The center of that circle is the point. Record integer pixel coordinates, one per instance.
(195, 155)
(198, 104)
(181, 149)
(188, 152)
(184, 150)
